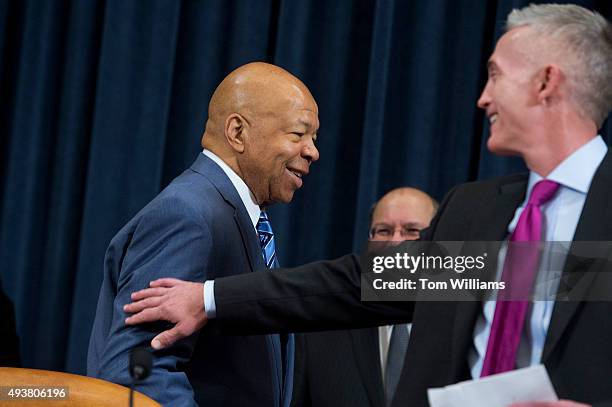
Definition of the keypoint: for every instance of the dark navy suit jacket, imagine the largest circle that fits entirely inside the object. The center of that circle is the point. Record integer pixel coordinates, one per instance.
(195, 229)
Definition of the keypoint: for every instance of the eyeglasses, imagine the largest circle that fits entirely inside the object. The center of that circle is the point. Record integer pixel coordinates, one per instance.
(383, 232)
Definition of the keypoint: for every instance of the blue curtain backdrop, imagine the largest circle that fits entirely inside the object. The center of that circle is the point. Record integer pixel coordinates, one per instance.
(102, 103)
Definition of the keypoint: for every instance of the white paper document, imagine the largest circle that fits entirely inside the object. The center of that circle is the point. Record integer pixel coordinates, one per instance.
(500, 390)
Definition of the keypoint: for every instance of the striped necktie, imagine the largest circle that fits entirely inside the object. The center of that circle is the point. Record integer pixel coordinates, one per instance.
(266, 241)
(268, 250)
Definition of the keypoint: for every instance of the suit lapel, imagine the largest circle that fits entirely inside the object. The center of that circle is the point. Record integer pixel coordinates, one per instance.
(493, 217)
(249, 240)
(595, 224)
(491, 225)
(367, 355)
(209, 169)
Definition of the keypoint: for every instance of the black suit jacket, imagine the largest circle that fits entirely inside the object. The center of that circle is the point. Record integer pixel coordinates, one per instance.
(338, 368)
(577, 351)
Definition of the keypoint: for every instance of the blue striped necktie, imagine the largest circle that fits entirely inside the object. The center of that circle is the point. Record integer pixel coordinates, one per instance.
(268, 250)
(266, 241)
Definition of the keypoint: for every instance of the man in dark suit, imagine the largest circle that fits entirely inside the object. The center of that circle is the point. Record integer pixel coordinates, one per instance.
(548, 92)
(351, 367)
(258, 143)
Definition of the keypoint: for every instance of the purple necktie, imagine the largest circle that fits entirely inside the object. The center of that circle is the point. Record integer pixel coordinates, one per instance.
(519, 273)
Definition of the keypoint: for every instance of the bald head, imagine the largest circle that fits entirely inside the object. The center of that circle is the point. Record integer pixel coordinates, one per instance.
(403, 210)
(263, 122)
(254, 90)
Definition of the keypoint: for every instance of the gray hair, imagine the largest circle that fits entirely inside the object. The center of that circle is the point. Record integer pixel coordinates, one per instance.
(585, 47)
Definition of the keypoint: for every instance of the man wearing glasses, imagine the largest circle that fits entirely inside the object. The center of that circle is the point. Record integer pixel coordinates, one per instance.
(350, 367)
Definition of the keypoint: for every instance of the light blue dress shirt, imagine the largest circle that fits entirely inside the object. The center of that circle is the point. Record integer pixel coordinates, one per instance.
(561, 215)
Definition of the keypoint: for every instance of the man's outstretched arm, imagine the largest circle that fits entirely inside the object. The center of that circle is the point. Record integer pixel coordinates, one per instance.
(314, 297)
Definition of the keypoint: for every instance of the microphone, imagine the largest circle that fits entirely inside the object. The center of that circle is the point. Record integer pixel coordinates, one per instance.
(141, 362)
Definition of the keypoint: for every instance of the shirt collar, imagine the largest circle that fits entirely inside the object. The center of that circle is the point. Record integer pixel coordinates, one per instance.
(247, 197)
(577, 170)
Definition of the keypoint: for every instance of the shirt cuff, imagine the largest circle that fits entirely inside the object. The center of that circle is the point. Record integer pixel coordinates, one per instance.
(209, 299)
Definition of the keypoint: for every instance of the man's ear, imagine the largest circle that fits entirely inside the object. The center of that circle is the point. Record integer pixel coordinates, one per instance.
(236, 128)
(548, 82)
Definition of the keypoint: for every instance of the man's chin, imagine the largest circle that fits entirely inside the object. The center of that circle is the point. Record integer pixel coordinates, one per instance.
(285, 197)
(499, 149)
(289, 197)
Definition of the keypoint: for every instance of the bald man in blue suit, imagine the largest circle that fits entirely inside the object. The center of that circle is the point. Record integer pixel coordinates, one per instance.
(258, 144)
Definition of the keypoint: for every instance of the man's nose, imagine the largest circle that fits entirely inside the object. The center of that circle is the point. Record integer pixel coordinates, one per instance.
(310, 152)
(484, 100)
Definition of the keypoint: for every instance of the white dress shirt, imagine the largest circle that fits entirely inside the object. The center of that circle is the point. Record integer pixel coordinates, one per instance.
(248, 199)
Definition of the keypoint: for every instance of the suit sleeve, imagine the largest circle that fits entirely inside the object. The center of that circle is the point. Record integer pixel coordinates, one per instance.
(318, 296)
(171, 240)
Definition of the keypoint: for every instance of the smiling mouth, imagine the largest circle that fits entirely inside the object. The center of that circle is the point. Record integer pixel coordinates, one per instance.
(493, 118)
(297, 174)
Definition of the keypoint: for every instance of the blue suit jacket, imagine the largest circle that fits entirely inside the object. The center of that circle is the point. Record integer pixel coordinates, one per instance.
(195, 229)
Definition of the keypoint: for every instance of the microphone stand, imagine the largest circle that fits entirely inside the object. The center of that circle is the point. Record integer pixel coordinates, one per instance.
(132, 393)
(140, 367)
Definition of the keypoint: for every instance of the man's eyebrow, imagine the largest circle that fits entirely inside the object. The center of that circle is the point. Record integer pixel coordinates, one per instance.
(411, 225)
(491, 65)
(377, 224)
(305, 123)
